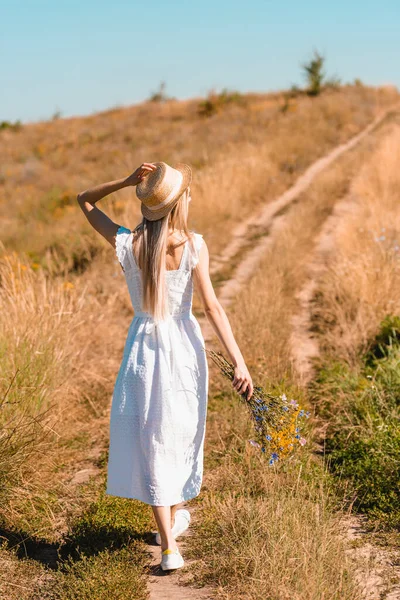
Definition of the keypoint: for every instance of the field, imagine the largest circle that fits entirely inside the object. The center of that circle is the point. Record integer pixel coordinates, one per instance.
(312, 293)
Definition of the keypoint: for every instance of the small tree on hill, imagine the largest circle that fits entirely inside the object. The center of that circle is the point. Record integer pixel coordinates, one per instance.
(160, 95)
(314, 74)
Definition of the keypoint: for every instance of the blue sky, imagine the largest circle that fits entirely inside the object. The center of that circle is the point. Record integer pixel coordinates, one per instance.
(84, 56)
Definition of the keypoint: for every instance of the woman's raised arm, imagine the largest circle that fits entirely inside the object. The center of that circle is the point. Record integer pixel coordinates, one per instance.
(96, 217)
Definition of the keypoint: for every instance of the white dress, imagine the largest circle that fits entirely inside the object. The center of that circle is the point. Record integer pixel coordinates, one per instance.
(159, 403)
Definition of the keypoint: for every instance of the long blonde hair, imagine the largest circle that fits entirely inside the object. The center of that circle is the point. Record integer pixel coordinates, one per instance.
(150, 242)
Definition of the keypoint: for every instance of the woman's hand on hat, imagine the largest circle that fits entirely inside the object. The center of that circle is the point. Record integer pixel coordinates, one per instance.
(140, 173)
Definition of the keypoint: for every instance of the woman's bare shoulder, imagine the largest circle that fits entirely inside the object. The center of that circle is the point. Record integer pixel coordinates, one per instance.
(196, 234)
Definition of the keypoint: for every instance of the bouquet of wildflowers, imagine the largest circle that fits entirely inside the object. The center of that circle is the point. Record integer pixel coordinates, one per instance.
(276, 419)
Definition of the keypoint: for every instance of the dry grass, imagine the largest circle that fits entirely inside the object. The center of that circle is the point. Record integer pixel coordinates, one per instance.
(362, 283)
(38, 364)
(276, 539)
(60, 347)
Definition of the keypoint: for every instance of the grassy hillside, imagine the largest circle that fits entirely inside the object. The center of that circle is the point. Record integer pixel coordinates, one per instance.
(64, 313)
(251, 149)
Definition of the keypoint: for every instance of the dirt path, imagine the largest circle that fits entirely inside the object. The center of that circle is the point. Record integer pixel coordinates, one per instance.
(377, 567)
(260, 222)
(267, 222)
(304, 345)
(171, 586)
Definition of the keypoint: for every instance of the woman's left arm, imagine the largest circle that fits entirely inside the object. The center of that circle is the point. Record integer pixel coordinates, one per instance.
(96, 217)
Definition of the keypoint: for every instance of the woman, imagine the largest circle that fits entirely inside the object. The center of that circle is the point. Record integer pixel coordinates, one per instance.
(158, 412)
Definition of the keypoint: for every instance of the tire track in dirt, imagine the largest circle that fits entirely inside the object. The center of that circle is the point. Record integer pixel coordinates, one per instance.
(304, 345)
(268, 222)
(377, 567)
(263, 219)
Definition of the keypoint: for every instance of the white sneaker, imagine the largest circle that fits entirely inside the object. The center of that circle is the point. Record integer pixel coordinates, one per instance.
(171, 559)
(182, 520)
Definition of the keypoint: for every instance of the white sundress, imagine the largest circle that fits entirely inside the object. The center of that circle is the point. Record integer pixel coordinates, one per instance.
(159, 402)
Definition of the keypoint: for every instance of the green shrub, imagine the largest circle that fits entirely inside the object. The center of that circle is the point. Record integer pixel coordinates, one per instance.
(333, 83)
(372, 464)
(382, 344)
(361, 408)
(104, 553)
(109, 522)
(217, 101)
(12, 126)
(116, 575)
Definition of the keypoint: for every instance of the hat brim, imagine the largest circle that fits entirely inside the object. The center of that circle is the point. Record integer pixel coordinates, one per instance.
(154, 215)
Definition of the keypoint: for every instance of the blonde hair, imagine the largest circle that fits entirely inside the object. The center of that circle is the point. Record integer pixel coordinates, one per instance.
(150, 241)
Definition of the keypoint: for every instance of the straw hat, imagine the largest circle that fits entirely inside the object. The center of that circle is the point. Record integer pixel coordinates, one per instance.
(161, 189)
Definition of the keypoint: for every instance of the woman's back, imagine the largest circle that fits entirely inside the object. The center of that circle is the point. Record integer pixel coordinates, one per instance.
(175, 249)
(179, 281)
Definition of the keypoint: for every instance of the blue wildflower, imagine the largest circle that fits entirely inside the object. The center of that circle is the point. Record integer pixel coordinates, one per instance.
(285, 408)
(268, 437)
(297, 437)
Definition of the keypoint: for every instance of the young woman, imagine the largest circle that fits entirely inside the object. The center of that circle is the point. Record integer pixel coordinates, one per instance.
(159, 404)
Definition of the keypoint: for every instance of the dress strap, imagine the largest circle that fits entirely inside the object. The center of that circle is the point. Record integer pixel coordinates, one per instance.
(131, 257)
(183, 262)
(194, 255)
(122, 238)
